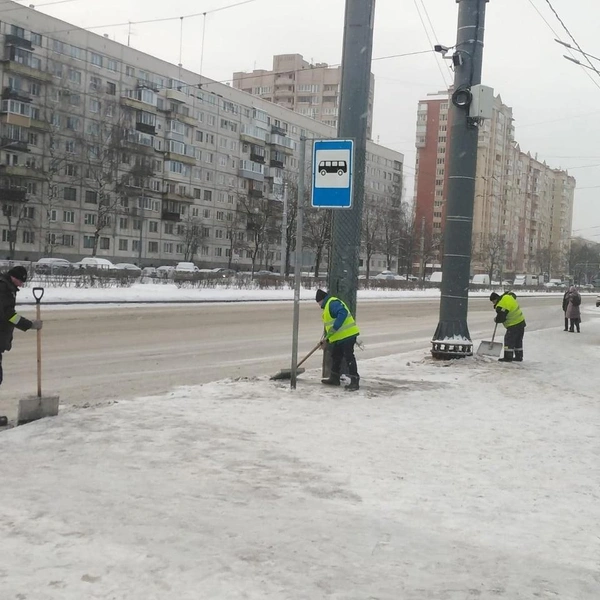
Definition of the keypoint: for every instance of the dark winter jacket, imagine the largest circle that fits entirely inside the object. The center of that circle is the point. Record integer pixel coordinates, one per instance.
(573, 310)
(9, 319)
(565, 301)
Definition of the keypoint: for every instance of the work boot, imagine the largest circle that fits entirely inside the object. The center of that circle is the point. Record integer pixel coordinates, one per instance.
(508, 356)
(353, 385)
(518, 356)
(333, 379)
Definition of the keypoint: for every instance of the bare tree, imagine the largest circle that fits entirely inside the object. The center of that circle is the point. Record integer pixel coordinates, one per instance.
(491, 252)
(190, 233)
(13, 203)
(317, 233)
(235, 232)
(371, 233)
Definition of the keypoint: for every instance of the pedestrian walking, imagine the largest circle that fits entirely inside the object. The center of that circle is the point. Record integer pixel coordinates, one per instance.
(508, 312)
(573, 312)
(10, 283)
(340, 331)
(565, 304)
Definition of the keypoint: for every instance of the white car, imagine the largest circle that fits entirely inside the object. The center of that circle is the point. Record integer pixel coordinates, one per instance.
(133, 269)
(93, 262)
(186, 267)
(388, 276)
(165, 271)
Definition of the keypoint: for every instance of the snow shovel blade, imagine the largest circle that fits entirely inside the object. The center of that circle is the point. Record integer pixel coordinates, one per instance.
(490, 348)
(285, 374)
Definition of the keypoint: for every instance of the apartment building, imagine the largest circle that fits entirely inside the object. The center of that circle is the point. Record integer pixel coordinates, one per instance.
(523, 208)
(107, 150)
(309, 89)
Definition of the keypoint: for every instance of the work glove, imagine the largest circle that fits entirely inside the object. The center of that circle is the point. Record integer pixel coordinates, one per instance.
(36, 324)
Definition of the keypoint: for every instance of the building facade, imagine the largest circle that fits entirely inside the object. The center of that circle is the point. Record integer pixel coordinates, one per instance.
(310, 90)
(523, 208)
(106, 150)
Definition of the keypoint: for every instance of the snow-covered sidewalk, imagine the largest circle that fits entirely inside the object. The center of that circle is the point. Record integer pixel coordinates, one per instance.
(449, 481)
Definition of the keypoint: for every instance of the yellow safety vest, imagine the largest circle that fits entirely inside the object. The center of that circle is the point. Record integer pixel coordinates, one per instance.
(514, 316)
(348, 329)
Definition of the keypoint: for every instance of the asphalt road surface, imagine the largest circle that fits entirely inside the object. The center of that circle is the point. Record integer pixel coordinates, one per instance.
(93, 355)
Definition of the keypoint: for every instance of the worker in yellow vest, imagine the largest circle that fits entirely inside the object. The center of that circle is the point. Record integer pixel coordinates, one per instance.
(341, 331)
(508, 312)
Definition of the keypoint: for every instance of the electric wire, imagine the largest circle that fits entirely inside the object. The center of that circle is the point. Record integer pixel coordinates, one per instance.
(434, 32)
(593, 80)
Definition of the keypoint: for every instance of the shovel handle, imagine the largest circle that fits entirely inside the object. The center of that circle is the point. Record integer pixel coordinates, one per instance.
(309, 354)
(38, 293)
(494, 334)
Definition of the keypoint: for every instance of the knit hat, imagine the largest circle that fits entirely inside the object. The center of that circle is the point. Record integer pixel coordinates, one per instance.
(494, 297)
(19, 273)
(320, 295)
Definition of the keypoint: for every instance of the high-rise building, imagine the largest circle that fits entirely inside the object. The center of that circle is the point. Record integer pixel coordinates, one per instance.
(309, 89)
(523, 209)
(106, 150)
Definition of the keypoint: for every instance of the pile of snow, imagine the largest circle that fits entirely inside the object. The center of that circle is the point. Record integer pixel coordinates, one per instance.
(445, 480)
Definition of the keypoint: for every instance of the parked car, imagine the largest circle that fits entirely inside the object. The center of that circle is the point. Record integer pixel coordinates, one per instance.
(223, 272)
(165, 271)
(51, 265)
(388, 276)
(186, 267)
(149, 272)
(130, 268)
(93, 262)
(265, 273)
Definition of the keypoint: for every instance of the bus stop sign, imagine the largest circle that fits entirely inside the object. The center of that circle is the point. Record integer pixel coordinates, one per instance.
(333, 162)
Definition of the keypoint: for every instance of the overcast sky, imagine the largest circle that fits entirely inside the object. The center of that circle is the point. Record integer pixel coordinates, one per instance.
(556, 103)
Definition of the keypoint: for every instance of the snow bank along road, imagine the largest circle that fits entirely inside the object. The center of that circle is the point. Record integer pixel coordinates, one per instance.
(93, 355)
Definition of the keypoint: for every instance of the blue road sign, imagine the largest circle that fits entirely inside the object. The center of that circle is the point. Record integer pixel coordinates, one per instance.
(333, 162)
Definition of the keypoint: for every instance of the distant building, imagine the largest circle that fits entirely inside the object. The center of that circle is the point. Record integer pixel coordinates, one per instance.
(310, 90)
(109, 151)
(523, 208)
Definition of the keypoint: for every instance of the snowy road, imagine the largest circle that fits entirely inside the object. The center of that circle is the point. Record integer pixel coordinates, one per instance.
(93, 355)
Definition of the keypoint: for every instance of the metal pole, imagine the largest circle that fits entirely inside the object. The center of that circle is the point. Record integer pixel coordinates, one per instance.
(141, 201)
(284, 231)
(451, 338)
(298, 261)
(353, 121)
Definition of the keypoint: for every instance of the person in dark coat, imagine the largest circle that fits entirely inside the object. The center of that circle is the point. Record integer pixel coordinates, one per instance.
(10, 283)
(565, 304)
(573, 309)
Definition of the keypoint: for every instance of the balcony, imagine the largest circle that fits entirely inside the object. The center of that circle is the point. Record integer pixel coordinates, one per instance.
(25, 71)
(171, 216)
(176, 197)
(278, 130)
(9, 93)
(21, 171)
(184, 158)
(15, 145)
(145, 128)
(278, 164)
(255, 193)
(283, 142)
(13, 194)
(15, 40)
(176, 96)
(259, 158)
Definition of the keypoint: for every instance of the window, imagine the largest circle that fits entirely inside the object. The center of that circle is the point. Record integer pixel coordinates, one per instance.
(73, 123)
(199, 136)
(52, 216)
(153, 247)
(168, 247)
(95, 83)
(153, 226)
(75, 76)
(28, 237)
(89, 219)
(33, 139)
(69, 216)
(111, 88)
(123, 223)
(68, 239)
(220, 215)
(208, 195)
(32, 188)
(70, 193)
(197, 193)
(96, 59)
(71, 170)
(123, 245)
(34, 89)
(104, 243)
(129, 71)
(169, 228)
(94, 105)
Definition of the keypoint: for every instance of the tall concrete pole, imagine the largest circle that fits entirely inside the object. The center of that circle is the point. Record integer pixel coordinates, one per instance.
(452, 338)
(352, 124)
